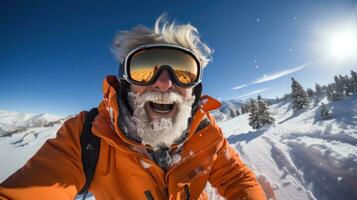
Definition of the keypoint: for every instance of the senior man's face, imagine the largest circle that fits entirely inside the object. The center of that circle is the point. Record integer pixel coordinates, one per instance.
(161, 111)
(158, 110)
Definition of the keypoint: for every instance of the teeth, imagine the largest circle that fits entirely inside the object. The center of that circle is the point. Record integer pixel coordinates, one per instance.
(163, 102)
(160, 111)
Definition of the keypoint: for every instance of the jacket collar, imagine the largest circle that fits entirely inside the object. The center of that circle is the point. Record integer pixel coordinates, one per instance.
(106, 123)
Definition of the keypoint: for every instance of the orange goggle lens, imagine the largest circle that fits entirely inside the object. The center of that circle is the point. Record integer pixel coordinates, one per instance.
(144, 65)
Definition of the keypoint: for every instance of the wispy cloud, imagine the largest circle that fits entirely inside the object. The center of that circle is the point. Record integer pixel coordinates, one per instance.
(254, 92)
(240, 86)
(279, 74)
(272, 76)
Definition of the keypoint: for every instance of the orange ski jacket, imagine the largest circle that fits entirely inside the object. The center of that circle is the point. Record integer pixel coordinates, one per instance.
(126, 171)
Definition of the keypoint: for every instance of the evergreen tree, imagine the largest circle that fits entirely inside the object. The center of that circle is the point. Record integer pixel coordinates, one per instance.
(286, 97)
(324, 90)
(324, 112)
(243, 109)
(246, 108)
(318, 90)
(233, 112)
(354, 81)
(343, 82)
(349, 86)
(299, 96)
(253, 115)
(337, 92)
(331, 92)
(309, 92)
(264, 117)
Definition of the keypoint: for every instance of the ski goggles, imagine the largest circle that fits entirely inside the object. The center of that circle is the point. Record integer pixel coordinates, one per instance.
(143, 65)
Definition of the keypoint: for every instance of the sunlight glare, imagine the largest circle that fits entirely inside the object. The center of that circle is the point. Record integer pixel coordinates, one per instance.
(342, 44)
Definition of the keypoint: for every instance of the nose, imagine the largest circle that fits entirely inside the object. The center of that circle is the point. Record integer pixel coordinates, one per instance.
(163, 83)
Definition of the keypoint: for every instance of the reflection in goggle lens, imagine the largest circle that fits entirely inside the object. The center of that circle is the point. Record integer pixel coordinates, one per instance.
(144, 64)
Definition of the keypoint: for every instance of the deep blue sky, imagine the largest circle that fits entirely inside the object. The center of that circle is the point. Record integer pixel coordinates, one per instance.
(55, 54)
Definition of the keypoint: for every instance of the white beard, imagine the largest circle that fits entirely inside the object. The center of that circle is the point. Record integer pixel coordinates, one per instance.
(164, 131)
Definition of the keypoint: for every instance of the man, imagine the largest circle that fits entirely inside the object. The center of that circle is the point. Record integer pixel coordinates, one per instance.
(157, 138)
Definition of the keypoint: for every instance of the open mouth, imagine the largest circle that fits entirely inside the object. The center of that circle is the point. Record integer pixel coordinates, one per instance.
(161, 108)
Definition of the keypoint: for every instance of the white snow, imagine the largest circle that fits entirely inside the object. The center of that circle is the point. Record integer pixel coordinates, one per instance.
(18, 148)
(145, 164)
(175, 159)
(300, 157)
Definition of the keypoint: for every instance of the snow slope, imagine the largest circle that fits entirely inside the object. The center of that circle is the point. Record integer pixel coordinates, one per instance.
(300, 157)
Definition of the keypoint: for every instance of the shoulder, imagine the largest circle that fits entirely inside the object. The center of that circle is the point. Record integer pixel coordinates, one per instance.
(73, 126)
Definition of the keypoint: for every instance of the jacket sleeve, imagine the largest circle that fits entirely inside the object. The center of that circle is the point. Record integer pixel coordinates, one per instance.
(232, 178)
(54, 172)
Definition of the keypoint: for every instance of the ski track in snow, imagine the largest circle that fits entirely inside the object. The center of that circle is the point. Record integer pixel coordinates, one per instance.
(300, 157)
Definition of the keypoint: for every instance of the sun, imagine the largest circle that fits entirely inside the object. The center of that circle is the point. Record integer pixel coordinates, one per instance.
(342, 43)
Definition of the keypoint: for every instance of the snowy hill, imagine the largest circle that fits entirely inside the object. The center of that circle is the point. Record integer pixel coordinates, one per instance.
(300, 157)
(13, 122)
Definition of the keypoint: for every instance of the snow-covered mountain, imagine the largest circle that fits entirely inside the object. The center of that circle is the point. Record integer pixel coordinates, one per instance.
(228, 110)
(13, 122)
(300, 157)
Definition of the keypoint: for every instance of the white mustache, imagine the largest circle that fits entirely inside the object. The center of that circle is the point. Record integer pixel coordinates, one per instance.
(157, 97)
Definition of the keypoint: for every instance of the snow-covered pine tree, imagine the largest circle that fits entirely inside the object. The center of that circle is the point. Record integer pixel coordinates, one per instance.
(253, 115)
(264, 115)
(324, 89)
(309, 92)
(318, 90)
(243, 108)
(349, 86)
(343, 80)
(298, 95)
(324, 112)
(330, 91)
(233, 112)
(354, 81)
(246, 108)
(337, 93)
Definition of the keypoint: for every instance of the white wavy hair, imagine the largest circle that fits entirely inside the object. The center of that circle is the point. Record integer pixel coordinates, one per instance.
(164, 32)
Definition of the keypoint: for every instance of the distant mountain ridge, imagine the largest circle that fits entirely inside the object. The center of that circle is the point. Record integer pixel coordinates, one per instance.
(13, 122)
(232, 108)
